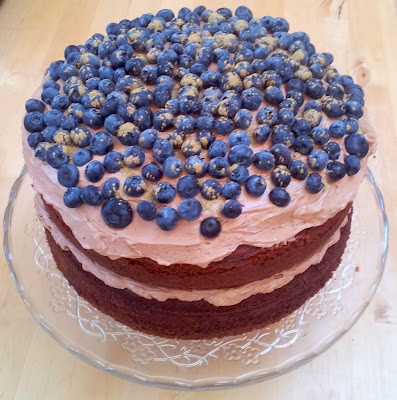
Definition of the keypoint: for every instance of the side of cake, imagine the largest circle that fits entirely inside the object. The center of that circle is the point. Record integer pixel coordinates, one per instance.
(195, 173)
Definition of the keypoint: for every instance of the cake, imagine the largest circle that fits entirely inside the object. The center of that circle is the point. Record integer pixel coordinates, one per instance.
(195, 173)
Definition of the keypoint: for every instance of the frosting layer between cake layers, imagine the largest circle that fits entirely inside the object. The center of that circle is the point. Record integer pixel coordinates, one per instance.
(217, 297)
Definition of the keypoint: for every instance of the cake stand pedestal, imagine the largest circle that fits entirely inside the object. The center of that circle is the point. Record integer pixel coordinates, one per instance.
(195, 364)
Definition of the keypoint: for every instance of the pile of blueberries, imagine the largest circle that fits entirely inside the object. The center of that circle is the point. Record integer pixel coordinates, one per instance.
(198, 77)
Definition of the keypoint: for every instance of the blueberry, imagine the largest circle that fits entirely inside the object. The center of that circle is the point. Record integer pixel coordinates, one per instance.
(149, 74)
(209, 104)
(314, 88)
(336, 171)
(301, 127)
(162, 149)
(318, 160)
(217, 149)
(231, 190)
(146, 210)
(91, 195)
(282, 134)
(185, 123)
(298, 169)
(274, 95)
(94, 171)
(48, 94)
(238, 173)
(334, 108)
(279, 196)
(251, 98)
(244, 13)
(281, 176)
(117, 213)
(210, 227)
(211, 189)
(356, 144)
(147, 138)
(286, 117)
(48, 133)
(164, 192)
(163, 120)
(281, 153)
(314, 183)
(351, 125)
(264, 160)
(110, 188)
(113, 123)
(210, 78)
(267, 115)
(152, 172)
(34, 139)
(68, 175)
(172, 167)
(337, 129)
(190, 209)
(332, 149)
(113, 161)
(354, 109)
(272, 78)
(320, 135)
(255, 185)
(242, 119)
(93, 118)
(167, 219)
(241, 154)
(60, 102)
(134, 186)
(62, 137)
(187, 186)
(231, 209)
(34, 121)
(290, 104)
(304, 145)
(50, 84)
(101, 143)
(53, 118)
(313, 104)
(352, 164)
(56, 157)
(41, 150)
(69, 123)
(196, 166)
(218, 167)
(143, 118)
(172, 106)
(82, 157)
(297, 96)
(34, 105)
(71, 197)
(296, 84)
(223, 125)
(204, 122)
(231, 81)
(239, 138)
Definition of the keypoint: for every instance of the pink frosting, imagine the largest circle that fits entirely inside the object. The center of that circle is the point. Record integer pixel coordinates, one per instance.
(217, 297)
(261, 224)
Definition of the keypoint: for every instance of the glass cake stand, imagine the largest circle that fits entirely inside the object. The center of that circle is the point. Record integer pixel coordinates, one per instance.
(195, 364)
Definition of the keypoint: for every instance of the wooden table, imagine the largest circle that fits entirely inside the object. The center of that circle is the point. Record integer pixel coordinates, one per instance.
(362, 35)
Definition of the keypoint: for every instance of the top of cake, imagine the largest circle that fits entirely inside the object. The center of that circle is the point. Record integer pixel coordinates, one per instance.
(189, 128)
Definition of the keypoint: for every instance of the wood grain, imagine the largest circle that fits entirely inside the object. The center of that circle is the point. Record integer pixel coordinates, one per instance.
(362, 35)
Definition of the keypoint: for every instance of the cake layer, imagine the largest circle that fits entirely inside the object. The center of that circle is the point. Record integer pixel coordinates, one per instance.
(245, 265)
(217, 297)
(198, 319)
